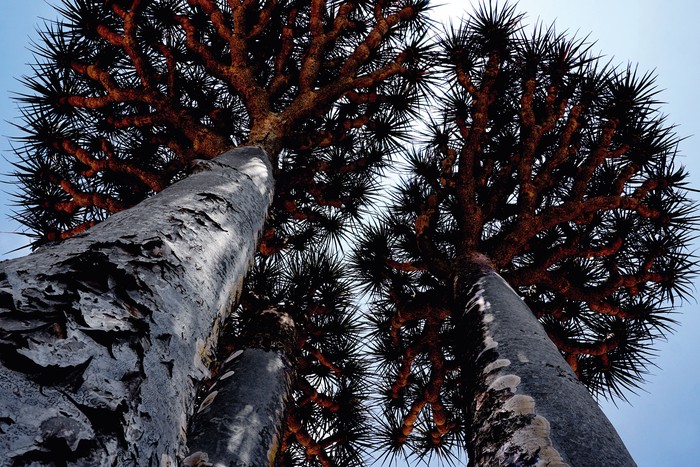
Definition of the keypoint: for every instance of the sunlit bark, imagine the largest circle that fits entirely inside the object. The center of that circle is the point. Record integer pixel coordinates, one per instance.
(105, 336)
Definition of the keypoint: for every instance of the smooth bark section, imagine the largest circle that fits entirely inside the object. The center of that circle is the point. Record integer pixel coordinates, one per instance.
(527, 407)
(239, 422)
(104, 337)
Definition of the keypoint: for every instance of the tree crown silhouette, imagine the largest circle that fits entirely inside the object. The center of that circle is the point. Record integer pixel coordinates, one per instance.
(557, 171)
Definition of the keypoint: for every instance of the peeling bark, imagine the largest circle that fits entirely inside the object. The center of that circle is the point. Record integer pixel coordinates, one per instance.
(104, 337)
(525, 406)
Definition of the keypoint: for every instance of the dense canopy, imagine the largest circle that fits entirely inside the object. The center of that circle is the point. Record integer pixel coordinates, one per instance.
(127, 95)
(557, 171)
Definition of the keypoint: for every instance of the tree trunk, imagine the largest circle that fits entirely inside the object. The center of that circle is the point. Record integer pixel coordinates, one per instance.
(239, 422)
(525, 406)
(104, 337)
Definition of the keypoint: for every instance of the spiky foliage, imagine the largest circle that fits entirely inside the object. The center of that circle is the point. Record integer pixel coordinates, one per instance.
(126, 94)
(557, 172)
(326, 419)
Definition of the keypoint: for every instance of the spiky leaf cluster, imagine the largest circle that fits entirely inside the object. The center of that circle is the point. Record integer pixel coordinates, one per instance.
(126, 94)
(326, 420)
(558, 172)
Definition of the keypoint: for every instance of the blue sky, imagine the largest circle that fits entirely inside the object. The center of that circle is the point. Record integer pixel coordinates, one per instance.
(661, 425)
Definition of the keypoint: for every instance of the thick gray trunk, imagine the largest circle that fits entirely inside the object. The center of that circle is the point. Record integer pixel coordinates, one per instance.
(526, 406)
(104, 337)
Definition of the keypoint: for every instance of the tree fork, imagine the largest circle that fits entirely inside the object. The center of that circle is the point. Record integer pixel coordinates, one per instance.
(104, 336)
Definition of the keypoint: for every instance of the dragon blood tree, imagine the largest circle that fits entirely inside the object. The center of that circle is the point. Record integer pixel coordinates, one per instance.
(547, 191)
(136, 104)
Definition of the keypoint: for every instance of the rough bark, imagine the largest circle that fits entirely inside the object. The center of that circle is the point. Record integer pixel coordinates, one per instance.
(525, 406)
(104, 337)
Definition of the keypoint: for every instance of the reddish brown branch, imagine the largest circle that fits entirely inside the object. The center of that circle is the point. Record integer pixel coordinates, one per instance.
(575, 347)
(470, 216)
(322, 359)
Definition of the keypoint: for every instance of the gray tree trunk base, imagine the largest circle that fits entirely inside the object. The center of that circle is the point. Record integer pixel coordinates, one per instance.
(104, 337)
(527, 407)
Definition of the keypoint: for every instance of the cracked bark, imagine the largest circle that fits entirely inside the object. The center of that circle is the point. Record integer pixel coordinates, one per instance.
(104, 337)
(525, 406)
